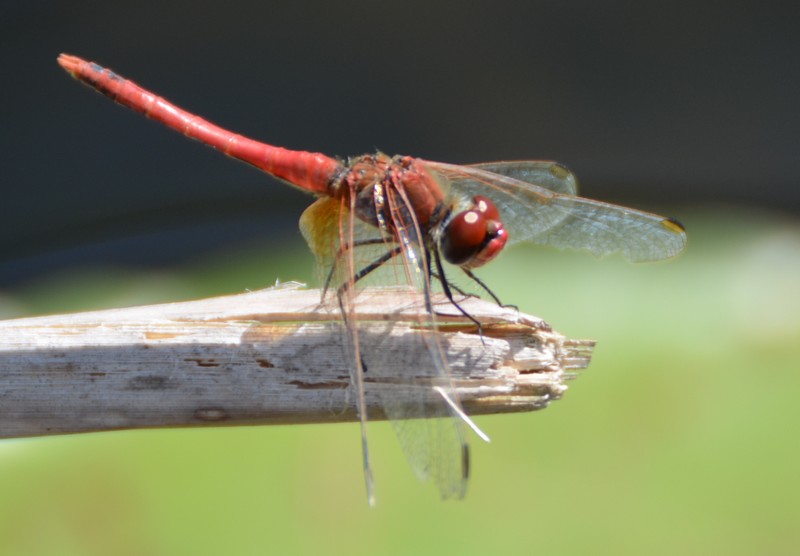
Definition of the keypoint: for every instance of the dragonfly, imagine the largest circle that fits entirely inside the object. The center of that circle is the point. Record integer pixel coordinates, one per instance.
(415, 217)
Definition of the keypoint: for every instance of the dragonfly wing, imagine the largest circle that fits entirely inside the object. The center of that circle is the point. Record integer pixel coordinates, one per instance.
(603, 229)
(430, 433)
(544, 173)
(319, 225)
(329, 227)
(433, 441)
(434, 445)
(404, 387)
(536, 214)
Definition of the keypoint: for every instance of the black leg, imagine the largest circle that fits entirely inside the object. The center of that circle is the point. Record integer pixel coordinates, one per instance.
(486, 289)
(361, 243)
(453, 286)
(374, 265)
(449, 294)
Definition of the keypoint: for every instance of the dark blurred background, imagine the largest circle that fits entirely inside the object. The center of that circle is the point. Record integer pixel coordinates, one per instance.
(653, 104)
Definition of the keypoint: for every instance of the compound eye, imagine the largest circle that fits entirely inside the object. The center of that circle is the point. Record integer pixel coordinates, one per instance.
(464, 236)
(486, 207)
(474, 237)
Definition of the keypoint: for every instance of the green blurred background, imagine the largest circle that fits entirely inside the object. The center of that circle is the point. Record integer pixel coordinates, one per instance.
(679, 438)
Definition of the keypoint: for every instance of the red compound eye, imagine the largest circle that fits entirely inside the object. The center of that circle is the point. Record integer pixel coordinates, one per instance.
(474, 237)
(486, 206)
(463, 237)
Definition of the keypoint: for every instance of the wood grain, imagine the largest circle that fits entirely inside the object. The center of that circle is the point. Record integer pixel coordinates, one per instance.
(272, 356)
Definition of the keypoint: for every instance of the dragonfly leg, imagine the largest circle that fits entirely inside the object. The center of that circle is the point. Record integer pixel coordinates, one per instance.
(449, 294)
(374, 265)
(487, 290)
(341, 252)
(453, 286)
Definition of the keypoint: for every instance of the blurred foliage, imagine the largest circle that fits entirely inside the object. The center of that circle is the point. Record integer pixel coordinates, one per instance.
(677, 439)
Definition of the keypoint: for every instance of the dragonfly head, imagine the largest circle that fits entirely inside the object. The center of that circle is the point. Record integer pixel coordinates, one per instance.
(475, 236)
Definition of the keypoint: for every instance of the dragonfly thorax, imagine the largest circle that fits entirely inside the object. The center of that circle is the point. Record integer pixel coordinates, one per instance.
(393, 192)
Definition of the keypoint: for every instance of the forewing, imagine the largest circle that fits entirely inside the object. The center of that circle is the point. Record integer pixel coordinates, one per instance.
(544, 173)
(533, 213)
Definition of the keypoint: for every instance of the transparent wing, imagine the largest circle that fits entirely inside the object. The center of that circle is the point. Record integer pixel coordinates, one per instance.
(430, 433)
(328, 227)
(534, 213)
(544, 173)
(431, 438)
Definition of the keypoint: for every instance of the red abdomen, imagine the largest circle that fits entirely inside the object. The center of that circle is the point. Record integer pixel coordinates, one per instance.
(312, 172)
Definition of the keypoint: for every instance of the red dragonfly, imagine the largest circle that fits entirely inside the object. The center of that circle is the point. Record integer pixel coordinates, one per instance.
(375, 212)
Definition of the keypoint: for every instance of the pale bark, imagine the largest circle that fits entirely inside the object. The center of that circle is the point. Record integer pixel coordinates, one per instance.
(273, 356)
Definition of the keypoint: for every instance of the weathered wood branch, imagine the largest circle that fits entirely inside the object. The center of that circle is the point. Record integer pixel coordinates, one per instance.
(273, 356)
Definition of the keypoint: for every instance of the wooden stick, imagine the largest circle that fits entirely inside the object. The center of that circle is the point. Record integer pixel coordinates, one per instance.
(272, 356)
